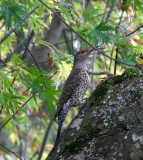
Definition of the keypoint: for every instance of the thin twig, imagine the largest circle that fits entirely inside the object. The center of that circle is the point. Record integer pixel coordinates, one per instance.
(15, 28)
(4, 64)
(110, 11)
(115, 66)
(124, 36)
(45, 139)
(34, 154)
(110, 59)
(104, 14)
(25, 150)
(100, 73)
(117, 60)
(11, 151)
(15, 113)
(28, 43)
(29, 51)
(120, 19)
(117, 50)
(134, 30)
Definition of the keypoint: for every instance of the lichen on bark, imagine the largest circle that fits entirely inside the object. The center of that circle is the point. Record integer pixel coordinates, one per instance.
(111, 124)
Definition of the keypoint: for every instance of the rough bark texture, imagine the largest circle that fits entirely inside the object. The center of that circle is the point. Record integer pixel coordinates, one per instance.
(109, 126)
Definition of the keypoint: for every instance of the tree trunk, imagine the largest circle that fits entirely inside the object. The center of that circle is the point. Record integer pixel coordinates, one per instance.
(109, 126)
(51, 35)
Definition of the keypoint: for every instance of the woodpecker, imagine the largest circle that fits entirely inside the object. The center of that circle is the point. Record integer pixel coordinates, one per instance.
(74, 88)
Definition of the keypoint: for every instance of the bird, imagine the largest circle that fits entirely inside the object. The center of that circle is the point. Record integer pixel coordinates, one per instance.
(74, 88)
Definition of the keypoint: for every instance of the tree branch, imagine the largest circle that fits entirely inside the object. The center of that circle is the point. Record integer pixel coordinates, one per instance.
(29, 51)
(45, 139)
(135, 30)
(11, 151)
(100, 73)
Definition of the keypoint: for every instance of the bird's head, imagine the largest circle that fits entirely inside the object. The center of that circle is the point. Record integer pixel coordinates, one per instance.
(81, 55)
(80, 58)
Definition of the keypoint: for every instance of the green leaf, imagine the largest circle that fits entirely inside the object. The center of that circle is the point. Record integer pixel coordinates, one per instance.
(64, 6)
(10, 101)
(139, 4)
(89, 12)
(130, 59)
(50, 96)
(104, 26)
(119, 41)
(12, 13)
(100, 33)
(68, 56)
(127, 3)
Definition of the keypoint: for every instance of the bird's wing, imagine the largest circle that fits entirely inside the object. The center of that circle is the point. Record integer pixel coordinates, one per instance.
(73, 81)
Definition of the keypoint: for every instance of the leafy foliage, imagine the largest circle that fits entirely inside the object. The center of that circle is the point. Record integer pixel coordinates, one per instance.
(37, 83)
(89, 13)
(137, 4)
(12, 13)
(64, 6)
(130, 59)
(9, 98)
(101, 33)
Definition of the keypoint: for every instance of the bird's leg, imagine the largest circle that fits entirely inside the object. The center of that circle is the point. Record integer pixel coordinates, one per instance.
(85, 99)
(76, 103)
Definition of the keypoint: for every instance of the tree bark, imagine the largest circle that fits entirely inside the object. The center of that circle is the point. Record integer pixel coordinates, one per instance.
(109, 126)
(51, 35)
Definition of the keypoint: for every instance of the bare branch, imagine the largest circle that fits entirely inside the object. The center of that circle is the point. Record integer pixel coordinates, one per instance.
(115, 66)
(29, 51)
(105, 19)
(124, 36)
(28, 43)
(10, 151)
(135, 30)
(34, 154)
(45, 139)
(117, 60)
(100, 73)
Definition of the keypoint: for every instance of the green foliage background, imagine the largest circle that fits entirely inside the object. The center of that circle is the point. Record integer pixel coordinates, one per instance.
(19, 82)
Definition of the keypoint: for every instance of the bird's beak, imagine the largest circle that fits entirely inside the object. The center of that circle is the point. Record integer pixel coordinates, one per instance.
(91, 51)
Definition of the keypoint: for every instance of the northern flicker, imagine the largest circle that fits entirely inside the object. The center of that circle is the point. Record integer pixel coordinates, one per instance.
(74, 88)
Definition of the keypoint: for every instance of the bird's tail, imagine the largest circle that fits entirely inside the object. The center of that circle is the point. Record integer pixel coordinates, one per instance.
(57, 138)
(59, 132)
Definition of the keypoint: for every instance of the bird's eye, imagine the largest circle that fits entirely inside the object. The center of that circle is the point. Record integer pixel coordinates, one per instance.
(82, 52)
